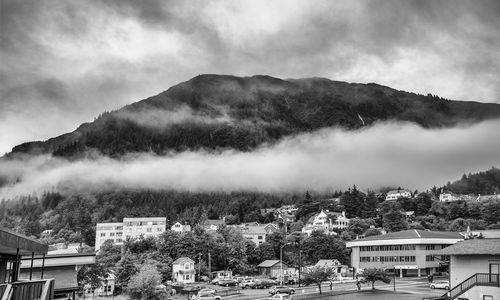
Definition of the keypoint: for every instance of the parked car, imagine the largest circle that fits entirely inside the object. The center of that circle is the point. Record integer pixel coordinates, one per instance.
(281, 290)
(247, 283)
(206, 291)
(444, 284)
(228, 282)
(281, 297)
(208, 297)
(264, 283)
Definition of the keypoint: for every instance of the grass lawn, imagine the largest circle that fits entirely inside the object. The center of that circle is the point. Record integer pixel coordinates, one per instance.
(377, 295)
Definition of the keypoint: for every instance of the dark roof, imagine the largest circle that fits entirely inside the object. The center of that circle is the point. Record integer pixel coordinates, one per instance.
(474, 247)
(181, 260)
(414, 234)
(270, 263)
(10, 241)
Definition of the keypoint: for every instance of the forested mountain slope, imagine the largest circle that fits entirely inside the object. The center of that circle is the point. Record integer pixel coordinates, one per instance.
(217, 112)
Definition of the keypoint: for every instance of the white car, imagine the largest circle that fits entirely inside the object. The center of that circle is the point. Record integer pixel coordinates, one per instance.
(208, 297)
(445, 284)
(206, 291)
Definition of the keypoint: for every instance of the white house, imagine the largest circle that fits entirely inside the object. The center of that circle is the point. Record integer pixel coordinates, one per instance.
(183, 270)
(396, 194)
(178, 227)
(321, 222)
(342, 221)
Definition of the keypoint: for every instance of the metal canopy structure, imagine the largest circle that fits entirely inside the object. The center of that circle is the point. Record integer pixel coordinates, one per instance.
(11, 241)
(12, 247)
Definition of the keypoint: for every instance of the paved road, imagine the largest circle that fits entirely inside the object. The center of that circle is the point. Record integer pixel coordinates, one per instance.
(412, 286)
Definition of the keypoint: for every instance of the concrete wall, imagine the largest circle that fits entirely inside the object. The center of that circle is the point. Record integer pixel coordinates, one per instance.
(478, 293)
(464, 266)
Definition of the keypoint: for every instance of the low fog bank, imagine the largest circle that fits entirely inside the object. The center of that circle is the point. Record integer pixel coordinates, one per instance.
(387, 154)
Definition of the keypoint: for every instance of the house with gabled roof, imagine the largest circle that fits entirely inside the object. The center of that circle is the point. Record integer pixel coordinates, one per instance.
(213, 224)
(272, 268)
(183, 270)
(334, 264)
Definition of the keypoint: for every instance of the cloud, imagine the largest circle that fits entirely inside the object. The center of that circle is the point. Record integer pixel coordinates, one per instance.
(388, 154)
(65, 62)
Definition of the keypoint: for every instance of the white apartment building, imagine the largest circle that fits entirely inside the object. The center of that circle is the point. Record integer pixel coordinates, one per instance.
(130, 228)
(396, 194)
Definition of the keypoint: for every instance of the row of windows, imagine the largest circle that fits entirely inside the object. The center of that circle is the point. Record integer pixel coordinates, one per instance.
(109, 227)
(437, 257)
(140, 223)
(435, 247)
(389, 248)
(387, 259)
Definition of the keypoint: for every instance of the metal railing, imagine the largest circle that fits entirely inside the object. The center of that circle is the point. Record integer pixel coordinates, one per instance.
(482, 279)
(28, 290)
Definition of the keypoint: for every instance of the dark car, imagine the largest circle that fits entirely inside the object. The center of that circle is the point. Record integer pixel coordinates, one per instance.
(228, 282)
(264, 283)
(281, 290)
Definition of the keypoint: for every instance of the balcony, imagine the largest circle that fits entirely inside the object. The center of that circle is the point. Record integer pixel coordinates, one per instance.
(13, 247)
(28, 290)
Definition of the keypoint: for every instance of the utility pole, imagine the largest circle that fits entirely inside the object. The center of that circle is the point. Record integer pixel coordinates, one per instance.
(394, 279)
(199, 266)
(209, 266)
(300, 262)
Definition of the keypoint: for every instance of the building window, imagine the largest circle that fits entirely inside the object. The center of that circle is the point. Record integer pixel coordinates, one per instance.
(103, 234)
(259, 237)
(430, 247)
(186, 277)
(119, 233)
(159, 229)
(186, 266)
(111, 234)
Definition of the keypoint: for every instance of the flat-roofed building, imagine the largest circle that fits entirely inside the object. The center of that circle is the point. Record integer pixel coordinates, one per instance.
(130, 228)
(474, 269)
(409, 252)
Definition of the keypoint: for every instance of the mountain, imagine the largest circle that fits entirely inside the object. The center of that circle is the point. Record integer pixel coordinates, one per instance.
(216, 112)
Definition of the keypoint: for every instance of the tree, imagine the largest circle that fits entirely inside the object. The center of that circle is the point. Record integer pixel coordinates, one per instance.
(374, 274)
(90, 276)
(395, 220)
(318, 274)
(321, 246)
(109, 254)
(359, 226)
(145, 281)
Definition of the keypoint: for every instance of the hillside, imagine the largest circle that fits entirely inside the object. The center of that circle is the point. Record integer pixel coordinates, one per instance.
(484, 183)
(216, 112)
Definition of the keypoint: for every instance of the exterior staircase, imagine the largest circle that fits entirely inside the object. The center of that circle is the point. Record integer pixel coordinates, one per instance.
(478, 279)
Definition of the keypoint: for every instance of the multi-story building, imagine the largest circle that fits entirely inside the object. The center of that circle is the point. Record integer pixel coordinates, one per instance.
(409, 253)
(396, 194)
(130, 228)
(474, 269)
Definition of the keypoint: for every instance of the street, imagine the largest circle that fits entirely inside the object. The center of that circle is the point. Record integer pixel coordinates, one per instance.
(413, 287)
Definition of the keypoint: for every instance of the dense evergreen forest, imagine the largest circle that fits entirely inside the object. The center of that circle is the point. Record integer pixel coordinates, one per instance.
(484, 183)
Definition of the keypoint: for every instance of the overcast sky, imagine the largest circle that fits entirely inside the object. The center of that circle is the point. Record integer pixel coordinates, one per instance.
(63, 62)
